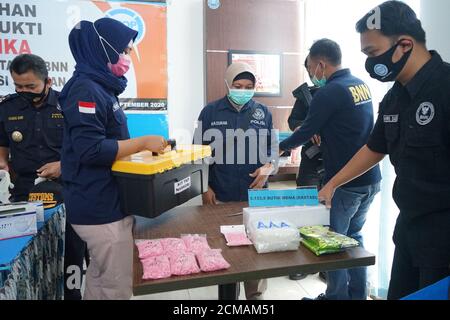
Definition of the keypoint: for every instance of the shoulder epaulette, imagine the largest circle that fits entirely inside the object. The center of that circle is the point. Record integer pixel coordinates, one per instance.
(8, 97)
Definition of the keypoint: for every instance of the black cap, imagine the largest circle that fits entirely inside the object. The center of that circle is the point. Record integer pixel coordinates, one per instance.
(49, 192)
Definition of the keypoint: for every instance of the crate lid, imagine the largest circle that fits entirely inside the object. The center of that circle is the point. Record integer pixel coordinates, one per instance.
(144, 163)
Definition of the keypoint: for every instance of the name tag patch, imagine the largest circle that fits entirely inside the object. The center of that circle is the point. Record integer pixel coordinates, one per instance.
(390, 118)
(219, 123)
(15, 118)
(57, 116)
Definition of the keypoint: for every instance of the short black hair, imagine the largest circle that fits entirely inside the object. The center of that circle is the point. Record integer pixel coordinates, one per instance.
(29, 62)
(396, 19)
(327, 49)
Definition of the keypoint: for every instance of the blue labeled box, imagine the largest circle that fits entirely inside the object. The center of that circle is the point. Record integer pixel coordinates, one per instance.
(437, 291)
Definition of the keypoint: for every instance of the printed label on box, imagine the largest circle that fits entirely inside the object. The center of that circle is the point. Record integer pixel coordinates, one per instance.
(18, 225)
(305, 196)
(272, 225)
(182, 185)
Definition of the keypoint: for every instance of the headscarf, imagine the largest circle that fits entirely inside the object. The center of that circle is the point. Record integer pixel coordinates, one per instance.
(90, 57)
(238, 71)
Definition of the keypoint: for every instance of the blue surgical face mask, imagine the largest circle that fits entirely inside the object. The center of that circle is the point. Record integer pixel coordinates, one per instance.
(319, 83)
(239, 96)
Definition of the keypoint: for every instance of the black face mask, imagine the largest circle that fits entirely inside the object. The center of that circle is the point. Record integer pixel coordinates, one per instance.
(383, 69)
(31, 97)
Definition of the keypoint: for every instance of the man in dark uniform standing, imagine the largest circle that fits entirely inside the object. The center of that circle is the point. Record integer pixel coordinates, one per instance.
(344, 122)
(413, 128)
(31, 132)
(311, 169)
(311, 166)
(31, 126)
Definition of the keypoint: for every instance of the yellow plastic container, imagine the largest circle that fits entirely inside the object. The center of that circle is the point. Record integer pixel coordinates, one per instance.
(145, 163)
(151, 185)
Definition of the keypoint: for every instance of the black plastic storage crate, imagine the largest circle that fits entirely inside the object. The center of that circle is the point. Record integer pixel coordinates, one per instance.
(151, 195)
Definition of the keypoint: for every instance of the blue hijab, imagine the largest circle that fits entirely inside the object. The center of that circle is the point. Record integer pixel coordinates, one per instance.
(91, 60)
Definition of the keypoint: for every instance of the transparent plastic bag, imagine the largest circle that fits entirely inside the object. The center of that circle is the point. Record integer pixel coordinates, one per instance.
(156, 268)
(173, 246)
(274, 236)
(321, 240)
(212, 260)
(149, 248)
(235, 235)
(237, 239)
(195, 243)
(183, 264)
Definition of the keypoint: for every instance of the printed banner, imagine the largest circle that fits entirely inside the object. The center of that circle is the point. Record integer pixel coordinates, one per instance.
(42, 27)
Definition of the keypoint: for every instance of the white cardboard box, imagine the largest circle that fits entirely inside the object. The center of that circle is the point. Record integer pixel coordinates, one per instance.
(300, 216)
(17, 221)
(39, 208)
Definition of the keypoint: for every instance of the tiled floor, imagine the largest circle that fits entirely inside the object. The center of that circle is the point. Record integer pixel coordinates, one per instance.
(277, 289)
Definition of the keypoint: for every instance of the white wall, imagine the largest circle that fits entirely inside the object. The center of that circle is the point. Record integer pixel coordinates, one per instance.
(185, 66)
(435, 16)
(336, 20)
(185, 47)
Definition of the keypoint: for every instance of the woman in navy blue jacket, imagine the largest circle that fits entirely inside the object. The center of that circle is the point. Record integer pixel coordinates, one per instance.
(95, 135)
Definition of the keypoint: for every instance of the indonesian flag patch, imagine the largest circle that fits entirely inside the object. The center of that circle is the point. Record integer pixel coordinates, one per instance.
(86, 107)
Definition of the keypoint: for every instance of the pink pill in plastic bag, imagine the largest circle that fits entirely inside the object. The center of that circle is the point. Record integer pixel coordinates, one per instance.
(195, 243)
(156, 268)
(237, 239)
(183, 264)
(212, 260)
(149, 248)
(173, 246)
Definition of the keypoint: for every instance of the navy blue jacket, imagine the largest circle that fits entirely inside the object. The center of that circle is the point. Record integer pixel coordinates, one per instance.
(42, 133)
(89, 149)
(342, 113)
(247, 151)
(94, 122)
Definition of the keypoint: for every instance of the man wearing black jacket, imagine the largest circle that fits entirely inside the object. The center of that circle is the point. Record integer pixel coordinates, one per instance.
(31, 134)
(311, 166)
